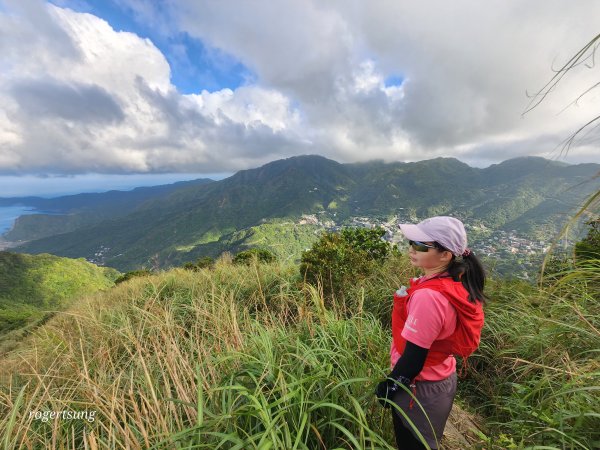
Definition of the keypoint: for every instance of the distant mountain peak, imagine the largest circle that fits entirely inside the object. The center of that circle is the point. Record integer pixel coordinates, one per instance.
(538, 161)
(301, 160)
(195, 220)
(312, 164)
(523, 166)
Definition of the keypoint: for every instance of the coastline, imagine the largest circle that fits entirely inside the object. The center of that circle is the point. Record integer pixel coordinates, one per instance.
(7, 245)
(9, 216)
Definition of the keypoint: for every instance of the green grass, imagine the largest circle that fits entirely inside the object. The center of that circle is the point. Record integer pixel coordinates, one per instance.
(537, 373)
(245, 356)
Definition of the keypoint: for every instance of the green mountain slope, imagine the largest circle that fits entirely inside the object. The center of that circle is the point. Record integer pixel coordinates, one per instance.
(33, 285)
(195, 220)
(68, 213)
(285, 239)
(190, 217)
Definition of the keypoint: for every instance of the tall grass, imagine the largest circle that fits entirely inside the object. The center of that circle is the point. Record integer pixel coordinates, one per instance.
(538, 368)
(237, 357)
(251, 357)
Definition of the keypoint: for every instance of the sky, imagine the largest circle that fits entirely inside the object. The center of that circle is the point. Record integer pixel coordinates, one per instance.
(103, 94)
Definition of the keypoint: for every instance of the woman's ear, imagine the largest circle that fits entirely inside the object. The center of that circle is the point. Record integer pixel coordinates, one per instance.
(447, 256)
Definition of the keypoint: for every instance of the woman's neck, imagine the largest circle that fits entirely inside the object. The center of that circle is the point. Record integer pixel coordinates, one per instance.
(434, 271)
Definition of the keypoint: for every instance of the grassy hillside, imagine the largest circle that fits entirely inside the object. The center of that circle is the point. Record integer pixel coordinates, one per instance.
(33, 285)
(250, 357)
(285, 239)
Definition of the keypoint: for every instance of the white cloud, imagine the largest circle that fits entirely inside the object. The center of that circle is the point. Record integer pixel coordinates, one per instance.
(467, 65)
(109, 106)
(98, 100)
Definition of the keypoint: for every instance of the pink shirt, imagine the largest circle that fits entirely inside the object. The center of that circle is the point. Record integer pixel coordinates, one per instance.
(430, 317)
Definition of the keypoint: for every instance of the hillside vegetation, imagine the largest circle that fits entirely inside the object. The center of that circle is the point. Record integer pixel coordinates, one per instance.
(284, 238)
(531, 195)
(251, 357)
(67, 213)
(33, 286)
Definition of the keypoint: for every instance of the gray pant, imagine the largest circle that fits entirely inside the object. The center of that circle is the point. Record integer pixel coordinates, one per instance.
(435, 397)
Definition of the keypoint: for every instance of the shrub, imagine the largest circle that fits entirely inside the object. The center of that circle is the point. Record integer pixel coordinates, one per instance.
(339, 260)
(201, 263)
(254, 254)
(133, 274)
(589, 247)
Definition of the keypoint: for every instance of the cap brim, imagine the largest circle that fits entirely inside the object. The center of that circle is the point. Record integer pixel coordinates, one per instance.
(413, 233)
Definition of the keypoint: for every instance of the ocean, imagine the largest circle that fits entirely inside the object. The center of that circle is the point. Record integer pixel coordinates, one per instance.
(8, 215)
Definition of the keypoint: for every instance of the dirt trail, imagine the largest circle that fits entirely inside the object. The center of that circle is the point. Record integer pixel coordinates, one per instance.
(460, 432)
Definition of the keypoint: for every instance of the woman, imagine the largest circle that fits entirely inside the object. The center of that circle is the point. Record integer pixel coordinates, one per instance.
(438, 317)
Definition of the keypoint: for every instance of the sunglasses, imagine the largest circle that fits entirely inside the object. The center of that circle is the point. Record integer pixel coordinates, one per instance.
(420, 246)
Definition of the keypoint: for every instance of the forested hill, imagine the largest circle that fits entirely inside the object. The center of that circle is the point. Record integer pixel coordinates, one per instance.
(70, 212)
(527, 194)
(33, 286)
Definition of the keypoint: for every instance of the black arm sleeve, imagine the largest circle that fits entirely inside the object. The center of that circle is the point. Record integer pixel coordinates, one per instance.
(410, 363)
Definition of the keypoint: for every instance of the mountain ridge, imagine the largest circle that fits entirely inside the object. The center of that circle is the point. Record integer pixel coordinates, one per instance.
(195, 216)
(66, 213)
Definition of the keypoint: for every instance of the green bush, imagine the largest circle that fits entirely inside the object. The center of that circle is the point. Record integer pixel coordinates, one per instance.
(133, 274)
(338, 261)
(254, 254)
(201, 263)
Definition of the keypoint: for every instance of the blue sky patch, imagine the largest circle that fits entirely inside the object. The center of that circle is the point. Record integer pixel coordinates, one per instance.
(394, 80)
(194, 66)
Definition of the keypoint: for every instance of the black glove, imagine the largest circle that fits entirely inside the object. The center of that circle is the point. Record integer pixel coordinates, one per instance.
(406, 369)
(384, 392)
(386, 388)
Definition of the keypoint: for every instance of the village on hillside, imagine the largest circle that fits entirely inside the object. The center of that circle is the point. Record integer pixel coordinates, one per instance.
(507, 252)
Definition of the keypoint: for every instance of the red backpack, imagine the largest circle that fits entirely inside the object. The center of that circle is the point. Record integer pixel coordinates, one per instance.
(465, 339)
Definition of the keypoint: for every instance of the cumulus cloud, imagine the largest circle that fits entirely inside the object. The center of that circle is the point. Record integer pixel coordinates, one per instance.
(466, 64)
(100, 100)
(108, 106)
(54, 99)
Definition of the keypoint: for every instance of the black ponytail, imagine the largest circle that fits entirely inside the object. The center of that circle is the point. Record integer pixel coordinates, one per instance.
(470, 272)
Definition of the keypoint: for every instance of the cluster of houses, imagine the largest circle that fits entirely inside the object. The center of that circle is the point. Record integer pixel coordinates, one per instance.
(99, 256)
(522, 254)
(509, 242)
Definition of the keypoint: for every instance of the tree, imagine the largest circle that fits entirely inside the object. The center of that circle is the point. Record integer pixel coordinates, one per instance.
(201, 263)
(339, 260)
(254, 254)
